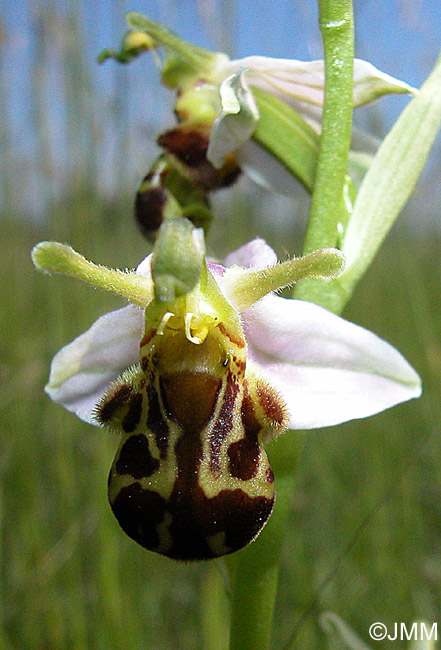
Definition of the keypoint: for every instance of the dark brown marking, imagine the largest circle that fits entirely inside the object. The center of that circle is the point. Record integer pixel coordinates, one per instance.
(149, 210)
(249, 420)
(190, 145)
(272, 404)
(119, 398)
(269, 475)
(136, 459)
(133, 416)
(138, 512)
(244, 454)
(147, 338)
(156, 422)
(190, 398)
(243, 459)
(144, 363)
(196, 518)
(237, 340)
(241, 365)
(224, 422)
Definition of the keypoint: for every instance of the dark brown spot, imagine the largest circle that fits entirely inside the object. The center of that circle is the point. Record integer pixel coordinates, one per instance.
(269, 475)
(136, 459)
(244, 454)
(237, 340)
(243, 457)
(138, 513)
(190, 398)
(224, 422)
(272, 404)
(155, 421)
(119, 398)
(149, 210)
(133, 415)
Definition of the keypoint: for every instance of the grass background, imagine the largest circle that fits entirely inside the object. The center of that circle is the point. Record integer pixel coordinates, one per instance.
(364, 539)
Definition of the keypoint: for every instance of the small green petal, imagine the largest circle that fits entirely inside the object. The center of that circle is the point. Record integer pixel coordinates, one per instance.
(244, 287)
(59, 258)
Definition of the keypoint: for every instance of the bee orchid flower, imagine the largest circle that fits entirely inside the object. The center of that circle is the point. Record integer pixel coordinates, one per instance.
(222, 102)
(197, 384)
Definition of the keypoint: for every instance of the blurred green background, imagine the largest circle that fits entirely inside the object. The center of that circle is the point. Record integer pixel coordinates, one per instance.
(364, 539)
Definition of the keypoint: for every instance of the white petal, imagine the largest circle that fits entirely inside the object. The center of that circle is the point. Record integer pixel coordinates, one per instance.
(237, 121)
(144, 267)
(327, 369)
(256, 254)
(82, 371)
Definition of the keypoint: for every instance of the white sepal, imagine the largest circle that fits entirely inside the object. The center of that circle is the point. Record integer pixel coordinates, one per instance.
(304, 81)
(327, 369)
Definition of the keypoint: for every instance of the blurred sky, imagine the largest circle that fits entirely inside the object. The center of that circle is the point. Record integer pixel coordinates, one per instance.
(401, 37)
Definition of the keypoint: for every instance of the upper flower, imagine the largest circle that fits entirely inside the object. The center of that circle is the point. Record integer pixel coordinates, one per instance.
(225, 99)
(326, 369)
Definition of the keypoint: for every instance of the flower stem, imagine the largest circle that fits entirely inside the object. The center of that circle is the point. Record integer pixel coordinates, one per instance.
(256, 568)
(214, 610)
(328, 209)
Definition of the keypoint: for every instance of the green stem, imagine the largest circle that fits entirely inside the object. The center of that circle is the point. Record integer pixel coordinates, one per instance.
(256, 568)
(214, 609)
(327, 206)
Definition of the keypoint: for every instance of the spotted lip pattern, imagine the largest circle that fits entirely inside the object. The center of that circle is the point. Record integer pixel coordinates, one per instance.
(194, 526)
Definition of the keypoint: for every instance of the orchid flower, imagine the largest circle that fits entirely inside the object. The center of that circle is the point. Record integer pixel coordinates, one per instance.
(211, 368)
(224, 100)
